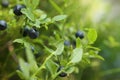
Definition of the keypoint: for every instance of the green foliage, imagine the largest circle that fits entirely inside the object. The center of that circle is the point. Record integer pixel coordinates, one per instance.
(53, 53)
(77, 53)
(92, 36)
(59, 17)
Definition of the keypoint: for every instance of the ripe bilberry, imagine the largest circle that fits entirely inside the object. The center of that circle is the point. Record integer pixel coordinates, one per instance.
(33, 33)
(17, 9)
(3, 25)
(5, 3)
(25, 31)
(67, 43)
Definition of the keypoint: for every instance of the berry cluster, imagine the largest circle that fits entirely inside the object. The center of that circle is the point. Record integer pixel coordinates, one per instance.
(32, 33)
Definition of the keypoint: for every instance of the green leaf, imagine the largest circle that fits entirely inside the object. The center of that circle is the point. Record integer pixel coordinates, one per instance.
(59, 18)
(24, 68)
(77, 55)
(27, 3)
(48, 20)
(31, 3)
(70, 70)
(94, 54)
(37, 23)
(78, 42)
(92, 47)
(51, 66)
(30, 58)
(28, 13)
(19, 41)
(92, 36)
(99, 57)
(43, 16)
(60, 48)
(35, 3)
(20, 74)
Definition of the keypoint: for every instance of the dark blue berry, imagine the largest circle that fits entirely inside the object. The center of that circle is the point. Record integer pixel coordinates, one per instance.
(62, 74)
(79, 34)
(67, 43)
(25, 31)
(5, 3)
(17, 9)
(3, 25)
(33, 34)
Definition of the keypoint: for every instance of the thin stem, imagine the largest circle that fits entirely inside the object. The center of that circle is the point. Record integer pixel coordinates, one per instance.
(42, 66)
(54, 77)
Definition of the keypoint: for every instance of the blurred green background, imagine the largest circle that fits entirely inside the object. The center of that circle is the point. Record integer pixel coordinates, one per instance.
(104, 15)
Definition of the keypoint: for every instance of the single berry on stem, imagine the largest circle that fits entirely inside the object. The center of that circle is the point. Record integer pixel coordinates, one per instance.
(3, 25)
(62, 74)
(17, 9)
(5, 3)
(67, 43)
(33, 33)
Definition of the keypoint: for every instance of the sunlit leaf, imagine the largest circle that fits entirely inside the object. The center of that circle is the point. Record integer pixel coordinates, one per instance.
(92, 36)
(19, 41)
(59, 17)
(77, 55)
(28, 13)
(35, 3)
(60, 48)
